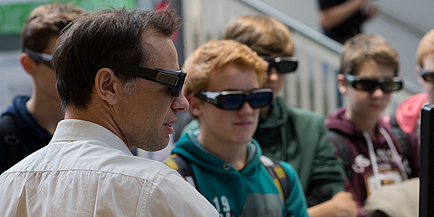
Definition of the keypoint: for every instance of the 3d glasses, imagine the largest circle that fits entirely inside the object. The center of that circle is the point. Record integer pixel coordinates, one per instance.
(387, 85)
(39, 57)
(234, 100)
(174, 79)
(283, 64)
(427, 76)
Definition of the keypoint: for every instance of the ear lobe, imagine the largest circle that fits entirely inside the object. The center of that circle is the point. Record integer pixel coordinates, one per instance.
(107, 85)
(27, 63)
(342, 85)
(195, 105)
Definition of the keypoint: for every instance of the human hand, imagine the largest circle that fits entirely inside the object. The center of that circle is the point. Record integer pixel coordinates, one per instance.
(344, 205)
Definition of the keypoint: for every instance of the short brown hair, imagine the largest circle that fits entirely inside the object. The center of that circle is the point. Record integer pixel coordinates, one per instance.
(214, 55)
(367, 47)
(112, 34)
(46, 21)
(426, 46)
(262, 33)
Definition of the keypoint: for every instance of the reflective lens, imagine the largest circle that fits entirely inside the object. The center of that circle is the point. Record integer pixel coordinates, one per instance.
(282, 64)
(39, 57)
(387, 85)
(173, 79)
(427, 76)
(234, 100)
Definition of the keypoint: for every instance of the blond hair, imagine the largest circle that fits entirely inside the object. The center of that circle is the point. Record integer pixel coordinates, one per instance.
(426, 46)
(262, 33)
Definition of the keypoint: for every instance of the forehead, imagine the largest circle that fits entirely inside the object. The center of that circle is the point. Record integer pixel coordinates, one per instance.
(233, 77)
(373, 69)
(161, 50)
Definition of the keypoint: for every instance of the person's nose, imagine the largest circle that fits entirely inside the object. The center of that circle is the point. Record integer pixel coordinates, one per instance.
(273, 74)
(246, 108)
(378, 92)
(180, 103)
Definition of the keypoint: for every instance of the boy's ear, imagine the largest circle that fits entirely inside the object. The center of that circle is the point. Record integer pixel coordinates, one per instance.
(195, 105)
(27, 63)
(342, 84)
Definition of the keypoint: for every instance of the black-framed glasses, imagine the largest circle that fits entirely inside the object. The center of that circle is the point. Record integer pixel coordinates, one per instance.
(387, 85)
(39, 57)
(174, 79)
(427, 75)
(234, 100)
(283, 65)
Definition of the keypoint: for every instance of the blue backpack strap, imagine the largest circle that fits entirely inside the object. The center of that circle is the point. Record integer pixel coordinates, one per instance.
(278, 173)
(183, 167)
(12, 145)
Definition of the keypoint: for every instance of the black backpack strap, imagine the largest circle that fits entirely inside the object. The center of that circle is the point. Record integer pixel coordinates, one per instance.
(180, 164)
(278, 173)
(344, 151)
(400, 136)
(12, 146)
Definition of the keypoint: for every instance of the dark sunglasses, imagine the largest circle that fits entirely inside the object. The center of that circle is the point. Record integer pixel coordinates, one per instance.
(427, 76)
(39, 57)
(387, 85)
(174, 79)
(283, 64)
(234, 100)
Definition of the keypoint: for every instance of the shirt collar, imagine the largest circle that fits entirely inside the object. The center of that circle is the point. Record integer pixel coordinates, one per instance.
(73, 129)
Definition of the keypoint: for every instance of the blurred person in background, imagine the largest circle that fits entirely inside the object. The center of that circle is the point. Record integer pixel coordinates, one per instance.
(373, 156)
(343, 19)
(29, 123)
(407, 114)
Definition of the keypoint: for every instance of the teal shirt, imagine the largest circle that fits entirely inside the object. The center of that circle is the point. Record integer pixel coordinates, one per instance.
(249, 192)
(300, 138)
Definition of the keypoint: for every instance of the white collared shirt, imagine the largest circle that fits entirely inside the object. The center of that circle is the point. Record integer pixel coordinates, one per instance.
(86, 170)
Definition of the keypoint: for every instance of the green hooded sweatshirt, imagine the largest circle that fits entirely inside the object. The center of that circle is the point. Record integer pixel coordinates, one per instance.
(249, 192)
(300, 138)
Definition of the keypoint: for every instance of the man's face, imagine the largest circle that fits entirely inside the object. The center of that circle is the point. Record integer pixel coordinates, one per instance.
(428, 66)
(369, 104)
(229, 127)
(146, 115)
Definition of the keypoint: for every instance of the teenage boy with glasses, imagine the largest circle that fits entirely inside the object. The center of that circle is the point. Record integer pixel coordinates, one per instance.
(29, 123)
(368, 76)
(225, 90)
(407, 115)
(290, 134)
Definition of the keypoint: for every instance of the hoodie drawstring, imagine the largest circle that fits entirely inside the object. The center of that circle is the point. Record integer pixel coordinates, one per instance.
(373, 157)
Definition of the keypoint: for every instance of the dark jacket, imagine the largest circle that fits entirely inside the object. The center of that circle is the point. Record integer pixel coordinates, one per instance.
(31, 135)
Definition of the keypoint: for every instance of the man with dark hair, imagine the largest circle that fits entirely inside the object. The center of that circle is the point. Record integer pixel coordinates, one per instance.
(119, 84)
(29, 123)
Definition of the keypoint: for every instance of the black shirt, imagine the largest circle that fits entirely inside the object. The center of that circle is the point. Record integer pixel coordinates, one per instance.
(348, 28)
